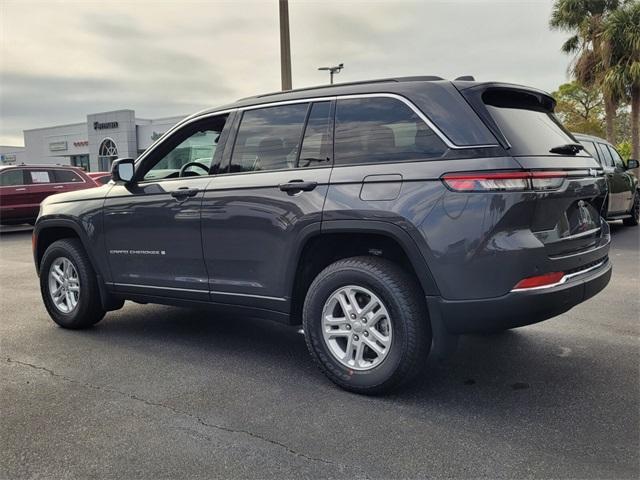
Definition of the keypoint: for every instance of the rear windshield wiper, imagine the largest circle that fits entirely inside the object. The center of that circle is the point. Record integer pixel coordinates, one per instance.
(567, 148)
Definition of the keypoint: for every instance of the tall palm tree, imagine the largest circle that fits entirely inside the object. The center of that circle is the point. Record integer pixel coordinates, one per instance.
(622, 59)
(585, 19)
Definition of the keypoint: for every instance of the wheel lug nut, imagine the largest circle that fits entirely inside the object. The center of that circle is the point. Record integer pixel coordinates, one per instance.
(366, 334)
(353, 316)
(364, 320)
(348, 327)
(356, 338)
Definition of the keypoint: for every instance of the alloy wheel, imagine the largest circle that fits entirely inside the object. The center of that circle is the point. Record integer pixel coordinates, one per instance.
(356, 327)
(64, 284)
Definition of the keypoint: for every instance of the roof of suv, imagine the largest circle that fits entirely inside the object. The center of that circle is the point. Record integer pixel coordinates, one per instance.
(400, 85)
(40, 165)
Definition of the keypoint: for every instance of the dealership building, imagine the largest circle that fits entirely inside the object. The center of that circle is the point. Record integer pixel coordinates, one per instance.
(93, 144)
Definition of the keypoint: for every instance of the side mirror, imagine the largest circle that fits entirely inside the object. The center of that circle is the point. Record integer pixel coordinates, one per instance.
(632, 164)
(122, 169)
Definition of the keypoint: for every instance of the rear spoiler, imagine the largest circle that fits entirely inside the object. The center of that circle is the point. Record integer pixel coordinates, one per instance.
(503, 94)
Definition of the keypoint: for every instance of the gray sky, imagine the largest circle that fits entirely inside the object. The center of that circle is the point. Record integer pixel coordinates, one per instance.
(62, 60)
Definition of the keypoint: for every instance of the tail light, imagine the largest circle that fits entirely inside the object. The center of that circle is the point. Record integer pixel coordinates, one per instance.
(538, 281)
(504, 181)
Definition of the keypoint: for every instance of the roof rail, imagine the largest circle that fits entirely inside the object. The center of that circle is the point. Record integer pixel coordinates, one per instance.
(423, 78)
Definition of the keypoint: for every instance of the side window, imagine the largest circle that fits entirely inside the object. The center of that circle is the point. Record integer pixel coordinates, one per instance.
(40, 176)
(269, 138)
(606, 155)
(316, 145)
(66, 176)
(189, 152)
(12, 178)
(591, 148)
(371, 130)
(617, 159)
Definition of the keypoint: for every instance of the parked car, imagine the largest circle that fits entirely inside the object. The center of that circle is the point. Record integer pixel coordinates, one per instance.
(101, 178)
(623, 201)
(384, 216)
(23, 187)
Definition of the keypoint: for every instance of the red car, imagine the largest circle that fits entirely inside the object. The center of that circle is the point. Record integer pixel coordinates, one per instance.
(101, 178)
(23, 187)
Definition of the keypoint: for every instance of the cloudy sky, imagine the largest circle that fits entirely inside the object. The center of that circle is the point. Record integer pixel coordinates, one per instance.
(60, 60)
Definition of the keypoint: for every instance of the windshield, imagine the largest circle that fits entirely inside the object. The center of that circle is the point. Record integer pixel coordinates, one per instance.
(530, 127)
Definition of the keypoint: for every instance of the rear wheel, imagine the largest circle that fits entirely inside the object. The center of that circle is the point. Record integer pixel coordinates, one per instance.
(635, 212)
(69, 286)
(366, 324)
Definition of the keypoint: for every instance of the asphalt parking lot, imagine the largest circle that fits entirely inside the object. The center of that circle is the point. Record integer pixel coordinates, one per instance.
(160, 392)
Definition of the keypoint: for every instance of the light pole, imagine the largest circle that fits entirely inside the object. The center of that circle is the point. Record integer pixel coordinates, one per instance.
(285, 46)
(332, 71)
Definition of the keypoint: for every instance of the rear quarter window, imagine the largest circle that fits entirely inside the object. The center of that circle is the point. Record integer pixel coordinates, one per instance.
(376, 130)
(12, 178)
(591, 148)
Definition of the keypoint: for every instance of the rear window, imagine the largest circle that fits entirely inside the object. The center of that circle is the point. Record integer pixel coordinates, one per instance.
(40, 176)
(269, 138)
(527, 122)
(372, 130)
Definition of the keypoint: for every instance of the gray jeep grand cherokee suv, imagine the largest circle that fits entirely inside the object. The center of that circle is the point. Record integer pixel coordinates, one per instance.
(386, 217)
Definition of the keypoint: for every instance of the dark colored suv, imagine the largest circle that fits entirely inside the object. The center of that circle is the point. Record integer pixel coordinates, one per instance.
(623, 201)
(386, 217)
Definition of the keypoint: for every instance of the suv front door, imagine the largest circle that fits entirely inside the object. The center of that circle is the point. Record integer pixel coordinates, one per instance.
(268, 198)
(152, 224)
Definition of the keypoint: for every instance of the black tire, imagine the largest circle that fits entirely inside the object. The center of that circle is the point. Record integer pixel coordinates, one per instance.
(88, 310)
(405, 303)
(635, 212)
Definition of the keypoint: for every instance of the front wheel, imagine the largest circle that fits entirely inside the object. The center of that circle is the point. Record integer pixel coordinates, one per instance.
(69, 286)
(635, 212)
(366, 324)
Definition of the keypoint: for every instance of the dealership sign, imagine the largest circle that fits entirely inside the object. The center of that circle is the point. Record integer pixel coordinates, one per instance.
(104, 125)
(81, 143)
(57, 146)
(8, 158)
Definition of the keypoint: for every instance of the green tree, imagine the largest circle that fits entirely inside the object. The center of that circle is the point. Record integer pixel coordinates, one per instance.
(580, 109)
(622, 59)
(585, 20)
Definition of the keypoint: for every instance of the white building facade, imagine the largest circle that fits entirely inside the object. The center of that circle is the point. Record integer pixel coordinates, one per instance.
(93, 144)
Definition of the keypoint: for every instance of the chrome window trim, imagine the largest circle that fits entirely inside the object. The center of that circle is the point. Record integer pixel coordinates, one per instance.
(201, 115)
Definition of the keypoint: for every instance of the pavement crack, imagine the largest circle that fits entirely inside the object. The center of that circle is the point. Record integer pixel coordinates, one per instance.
(198, 419)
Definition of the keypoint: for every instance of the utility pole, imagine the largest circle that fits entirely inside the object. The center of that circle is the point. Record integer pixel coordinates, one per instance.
(285, 46)
(332, 71)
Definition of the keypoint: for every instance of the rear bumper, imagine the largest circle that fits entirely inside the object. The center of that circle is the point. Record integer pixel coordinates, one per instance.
(519, 308)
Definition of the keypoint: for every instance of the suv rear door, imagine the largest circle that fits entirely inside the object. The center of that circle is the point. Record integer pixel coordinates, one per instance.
(268, 197)
(40, 184)
(566, 220)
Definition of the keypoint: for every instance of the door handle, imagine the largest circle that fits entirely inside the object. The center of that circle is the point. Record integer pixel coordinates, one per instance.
(20, 189)
(295, 186)
(59, 186)
(184, 192)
